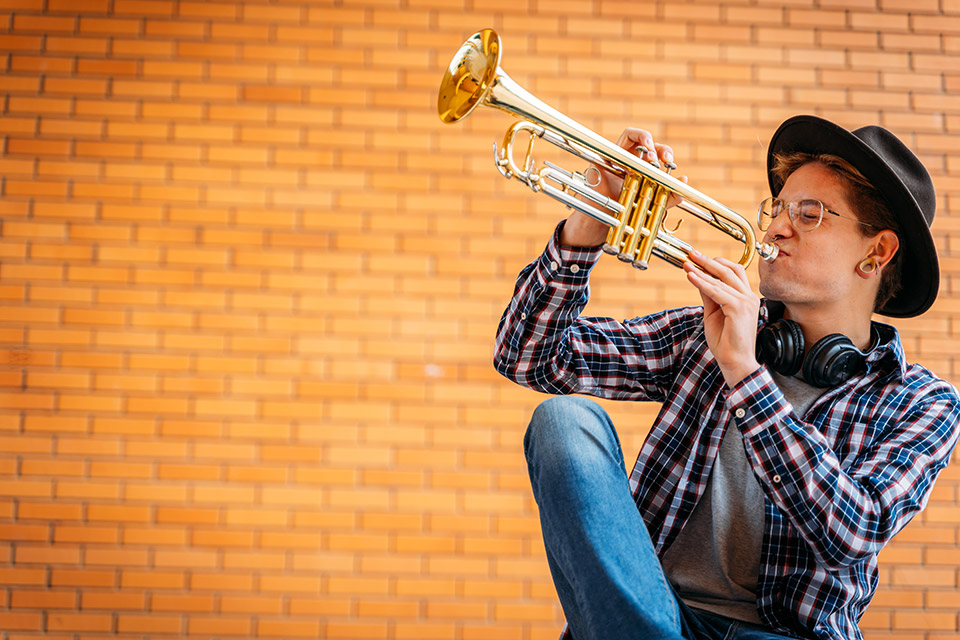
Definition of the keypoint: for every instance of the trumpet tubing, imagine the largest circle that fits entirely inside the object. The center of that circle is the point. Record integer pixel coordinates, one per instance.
(474, 78)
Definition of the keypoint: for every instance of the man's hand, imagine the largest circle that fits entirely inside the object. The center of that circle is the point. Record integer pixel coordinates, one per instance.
(580, 229)
(730, 313)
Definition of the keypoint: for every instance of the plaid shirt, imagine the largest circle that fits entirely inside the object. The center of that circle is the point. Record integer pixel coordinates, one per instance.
(840, 481)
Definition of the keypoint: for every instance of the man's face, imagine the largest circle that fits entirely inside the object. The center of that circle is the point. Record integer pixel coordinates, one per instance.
(816, 267)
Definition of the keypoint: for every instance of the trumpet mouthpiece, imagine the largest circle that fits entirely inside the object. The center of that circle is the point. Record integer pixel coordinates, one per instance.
(768, 251)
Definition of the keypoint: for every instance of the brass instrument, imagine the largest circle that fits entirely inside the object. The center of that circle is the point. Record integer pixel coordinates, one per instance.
(635, 218)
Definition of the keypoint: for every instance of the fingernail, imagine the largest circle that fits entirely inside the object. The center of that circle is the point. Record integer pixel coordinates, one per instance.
(668, 157)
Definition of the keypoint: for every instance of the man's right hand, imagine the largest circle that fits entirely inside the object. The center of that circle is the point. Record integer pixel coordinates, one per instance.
(580, 229)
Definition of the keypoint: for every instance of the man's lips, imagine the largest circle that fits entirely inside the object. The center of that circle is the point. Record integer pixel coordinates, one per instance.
(781, 251)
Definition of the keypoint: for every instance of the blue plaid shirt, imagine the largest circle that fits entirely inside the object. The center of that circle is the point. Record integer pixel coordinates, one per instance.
(840, 481)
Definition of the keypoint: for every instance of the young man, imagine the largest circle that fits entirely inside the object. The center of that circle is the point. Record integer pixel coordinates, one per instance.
(781, 461)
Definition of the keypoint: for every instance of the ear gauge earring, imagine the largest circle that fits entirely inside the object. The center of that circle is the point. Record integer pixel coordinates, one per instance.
(867, 266)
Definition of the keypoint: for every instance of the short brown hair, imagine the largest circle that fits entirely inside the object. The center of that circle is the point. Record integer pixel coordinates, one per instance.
(868, 204)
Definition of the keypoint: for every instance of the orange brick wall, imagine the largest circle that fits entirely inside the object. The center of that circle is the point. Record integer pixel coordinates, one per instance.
(250, 285)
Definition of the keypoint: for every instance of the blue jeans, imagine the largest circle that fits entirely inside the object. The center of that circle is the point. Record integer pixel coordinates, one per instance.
(607, 574)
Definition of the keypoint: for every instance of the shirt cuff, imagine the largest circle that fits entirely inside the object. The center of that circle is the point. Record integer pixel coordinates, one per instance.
(757, 403)
(759, 408)
(568, 265)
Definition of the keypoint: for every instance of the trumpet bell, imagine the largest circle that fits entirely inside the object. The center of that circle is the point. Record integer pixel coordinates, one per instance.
(469, 77)
(635, 217)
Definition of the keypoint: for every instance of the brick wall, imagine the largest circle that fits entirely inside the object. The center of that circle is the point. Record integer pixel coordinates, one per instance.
(250, 284)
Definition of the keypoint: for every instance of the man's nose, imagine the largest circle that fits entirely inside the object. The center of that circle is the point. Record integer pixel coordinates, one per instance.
(780, 227)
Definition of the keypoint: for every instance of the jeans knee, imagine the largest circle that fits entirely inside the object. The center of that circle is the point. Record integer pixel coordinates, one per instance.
(568, 428)
(551, 421)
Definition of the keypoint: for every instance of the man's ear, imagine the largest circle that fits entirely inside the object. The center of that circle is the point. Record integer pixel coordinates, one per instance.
(885, 246)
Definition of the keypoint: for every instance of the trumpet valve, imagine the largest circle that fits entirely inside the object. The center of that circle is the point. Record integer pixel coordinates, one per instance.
(640, 150)
(618, 237)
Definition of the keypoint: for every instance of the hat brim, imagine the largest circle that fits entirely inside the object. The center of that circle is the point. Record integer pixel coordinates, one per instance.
(918, 261)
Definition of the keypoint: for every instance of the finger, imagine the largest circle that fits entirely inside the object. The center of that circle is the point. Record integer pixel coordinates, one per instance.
(633, 138)
(710, 306)
(705, 283)
(665, 153)
(720, 293)
(724, 287)
(712, 265)
(730, 272)
(737, 268)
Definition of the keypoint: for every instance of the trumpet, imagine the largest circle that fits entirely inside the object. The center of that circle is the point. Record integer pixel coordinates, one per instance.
(636, 216)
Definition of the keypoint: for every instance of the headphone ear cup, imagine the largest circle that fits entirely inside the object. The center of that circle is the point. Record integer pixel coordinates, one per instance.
(780, 347)
(832, 361)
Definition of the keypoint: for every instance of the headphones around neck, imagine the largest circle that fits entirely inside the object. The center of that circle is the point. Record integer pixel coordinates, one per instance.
(830, 362)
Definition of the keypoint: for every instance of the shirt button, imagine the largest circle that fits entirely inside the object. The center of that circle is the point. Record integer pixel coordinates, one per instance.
(776, 479)
(574, 268)
(523, 316)
(739, 413)
(553, 266)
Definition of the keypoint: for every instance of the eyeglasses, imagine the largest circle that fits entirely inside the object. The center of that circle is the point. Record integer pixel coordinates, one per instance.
(805, 215)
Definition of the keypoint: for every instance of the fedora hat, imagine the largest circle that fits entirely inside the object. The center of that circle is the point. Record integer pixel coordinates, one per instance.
(902, 180)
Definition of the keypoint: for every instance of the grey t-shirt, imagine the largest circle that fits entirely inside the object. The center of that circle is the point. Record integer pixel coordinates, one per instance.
(714, 562)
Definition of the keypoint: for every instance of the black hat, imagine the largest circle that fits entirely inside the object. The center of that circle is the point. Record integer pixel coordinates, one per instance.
(902, 180)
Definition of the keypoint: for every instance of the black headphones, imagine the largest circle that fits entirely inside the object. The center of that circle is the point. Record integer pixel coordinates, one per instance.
(830, 362)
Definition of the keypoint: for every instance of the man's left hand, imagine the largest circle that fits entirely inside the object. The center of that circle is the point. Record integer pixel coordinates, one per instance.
(730, 313)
